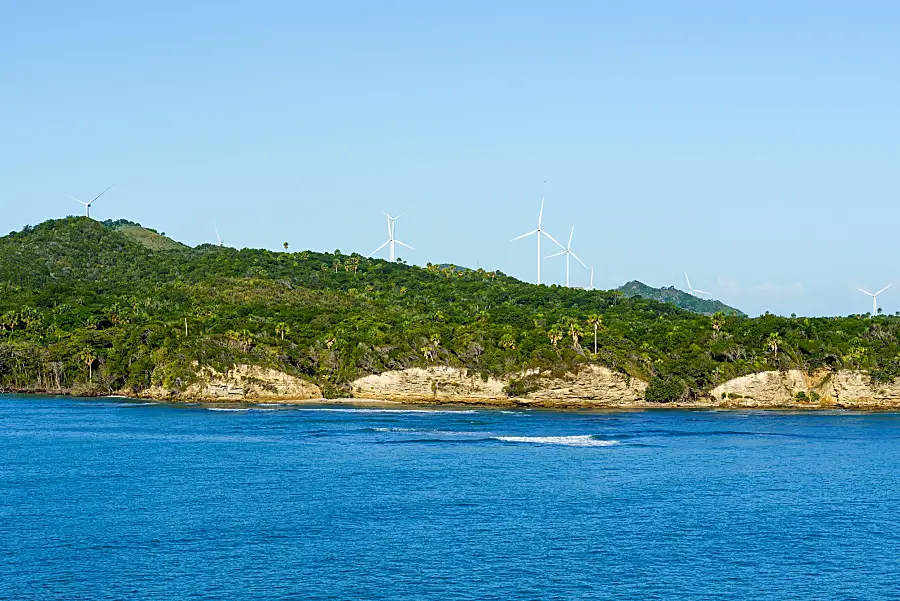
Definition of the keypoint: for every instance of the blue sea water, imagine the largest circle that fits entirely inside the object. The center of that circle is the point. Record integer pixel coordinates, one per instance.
(111, 499)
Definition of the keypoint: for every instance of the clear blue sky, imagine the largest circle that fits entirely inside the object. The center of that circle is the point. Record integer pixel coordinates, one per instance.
(755, 145)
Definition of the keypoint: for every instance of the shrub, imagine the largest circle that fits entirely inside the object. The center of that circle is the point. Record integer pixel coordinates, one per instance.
(665, 390)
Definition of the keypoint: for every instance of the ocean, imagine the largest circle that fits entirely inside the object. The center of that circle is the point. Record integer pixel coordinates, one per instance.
(117, 499)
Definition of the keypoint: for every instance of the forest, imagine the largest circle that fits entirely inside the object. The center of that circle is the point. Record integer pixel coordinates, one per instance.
(96, 308)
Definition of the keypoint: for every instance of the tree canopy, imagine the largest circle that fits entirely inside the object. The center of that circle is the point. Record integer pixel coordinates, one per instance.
(98, 308)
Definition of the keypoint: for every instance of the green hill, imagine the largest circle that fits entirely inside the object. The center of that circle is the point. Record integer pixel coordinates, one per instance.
(95, 308)
(672, 295)
(145, 236)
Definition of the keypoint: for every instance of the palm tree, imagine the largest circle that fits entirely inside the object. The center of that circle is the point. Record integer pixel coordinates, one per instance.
(575, 332)
(286, 245)
(774, 341)
(555, 334)
(508, 341)
(718, 320)
(88, 357)
(281, 329)
(595, 321)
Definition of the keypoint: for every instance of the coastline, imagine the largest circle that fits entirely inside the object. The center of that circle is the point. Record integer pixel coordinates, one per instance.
(495, 404)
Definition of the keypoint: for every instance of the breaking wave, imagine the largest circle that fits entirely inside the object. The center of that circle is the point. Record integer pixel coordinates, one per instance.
(569, 441)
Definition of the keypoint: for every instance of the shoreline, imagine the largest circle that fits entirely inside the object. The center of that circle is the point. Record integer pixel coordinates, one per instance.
(484, 404)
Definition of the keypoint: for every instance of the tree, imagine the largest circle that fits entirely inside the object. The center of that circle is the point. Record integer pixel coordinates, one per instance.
(774, 342)
(286, 245)
(718, 322)
(88, 357)
(555, 334)
(574, 332)
(508, 341)
(595, 321)
(282, 329)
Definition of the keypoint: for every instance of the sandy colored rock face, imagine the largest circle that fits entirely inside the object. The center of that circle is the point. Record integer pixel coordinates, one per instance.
(845, 388)
(433, 384)
(244, 382)
(591, 386)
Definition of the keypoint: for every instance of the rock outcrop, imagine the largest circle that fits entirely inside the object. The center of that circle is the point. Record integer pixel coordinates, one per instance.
(243, 382)
(593, 385)
(797, 389)
(438, 384)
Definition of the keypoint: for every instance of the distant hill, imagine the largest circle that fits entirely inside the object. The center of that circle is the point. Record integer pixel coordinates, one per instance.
(676, 297)
(147, 237)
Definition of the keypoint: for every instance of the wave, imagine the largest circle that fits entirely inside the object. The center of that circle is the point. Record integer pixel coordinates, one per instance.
(398, 411)
(426, 431)
(569, 441)
(228, 408)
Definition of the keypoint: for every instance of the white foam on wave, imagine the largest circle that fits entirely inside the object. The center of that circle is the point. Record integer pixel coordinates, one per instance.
(227, 409)
(434, 432)
(569, 441)
(398, 411)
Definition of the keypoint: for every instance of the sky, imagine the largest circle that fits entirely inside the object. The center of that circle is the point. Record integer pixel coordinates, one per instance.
(754, 145)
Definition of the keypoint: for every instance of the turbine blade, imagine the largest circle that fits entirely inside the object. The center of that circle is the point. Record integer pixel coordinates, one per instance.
(688, 281)
(379, 248)
(570, 237)
(882, 290)
(524, 235)
(703, 292)
(541, 214)
(577, 259)
(865, 291)
(101, 194)
(556, 255)
(81, 201)
(402, 244)
(555, 241)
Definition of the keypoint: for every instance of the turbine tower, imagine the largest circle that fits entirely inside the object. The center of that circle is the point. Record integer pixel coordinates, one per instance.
(392, 240)
(87, 205)
(874, 298)
(693, 291)
(539, 233)
(568, 252)
(591, 285)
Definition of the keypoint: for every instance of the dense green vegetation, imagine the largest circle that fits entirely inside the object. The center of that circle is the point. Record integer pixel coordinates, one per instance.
(91, 308)
(670, 294)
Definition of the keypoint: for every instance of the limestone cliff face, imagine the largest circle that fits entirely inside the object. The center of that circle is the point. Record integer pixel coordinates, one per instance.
(845, 388)
(243, 382)
(591, 386)
(437, 384)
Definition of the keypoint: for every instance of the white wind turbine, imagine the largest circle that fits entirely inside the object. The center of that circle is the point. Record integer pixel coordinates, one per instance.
(392, 240)
(218, 237)
(568, 252)
(539, 233)
(87, 205)
(693, 290)
(874, 298)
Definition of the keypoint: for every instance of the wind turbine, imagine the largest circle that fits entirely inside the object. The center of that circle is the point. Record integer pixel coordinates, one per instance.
(539, 232)
(874, 298)
(87, 205)
(218, 237)
(391, 239)
(568, 252)
(693, 290)
(591, 285)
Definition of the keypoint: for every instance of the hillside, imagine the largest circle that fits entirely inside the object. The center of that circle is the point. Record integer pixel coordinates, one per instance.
(672, 295)
(94, 309)
(144, 236)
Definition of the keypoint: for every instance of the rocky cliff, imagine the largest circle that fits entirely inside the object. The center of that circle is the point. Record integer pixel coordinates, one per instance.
(797, 389)
(243, 382)
(593, 385)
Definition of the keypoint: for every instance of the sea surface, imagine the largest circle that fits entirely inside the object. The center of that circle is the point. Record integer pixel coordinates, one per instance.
(115, 499)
